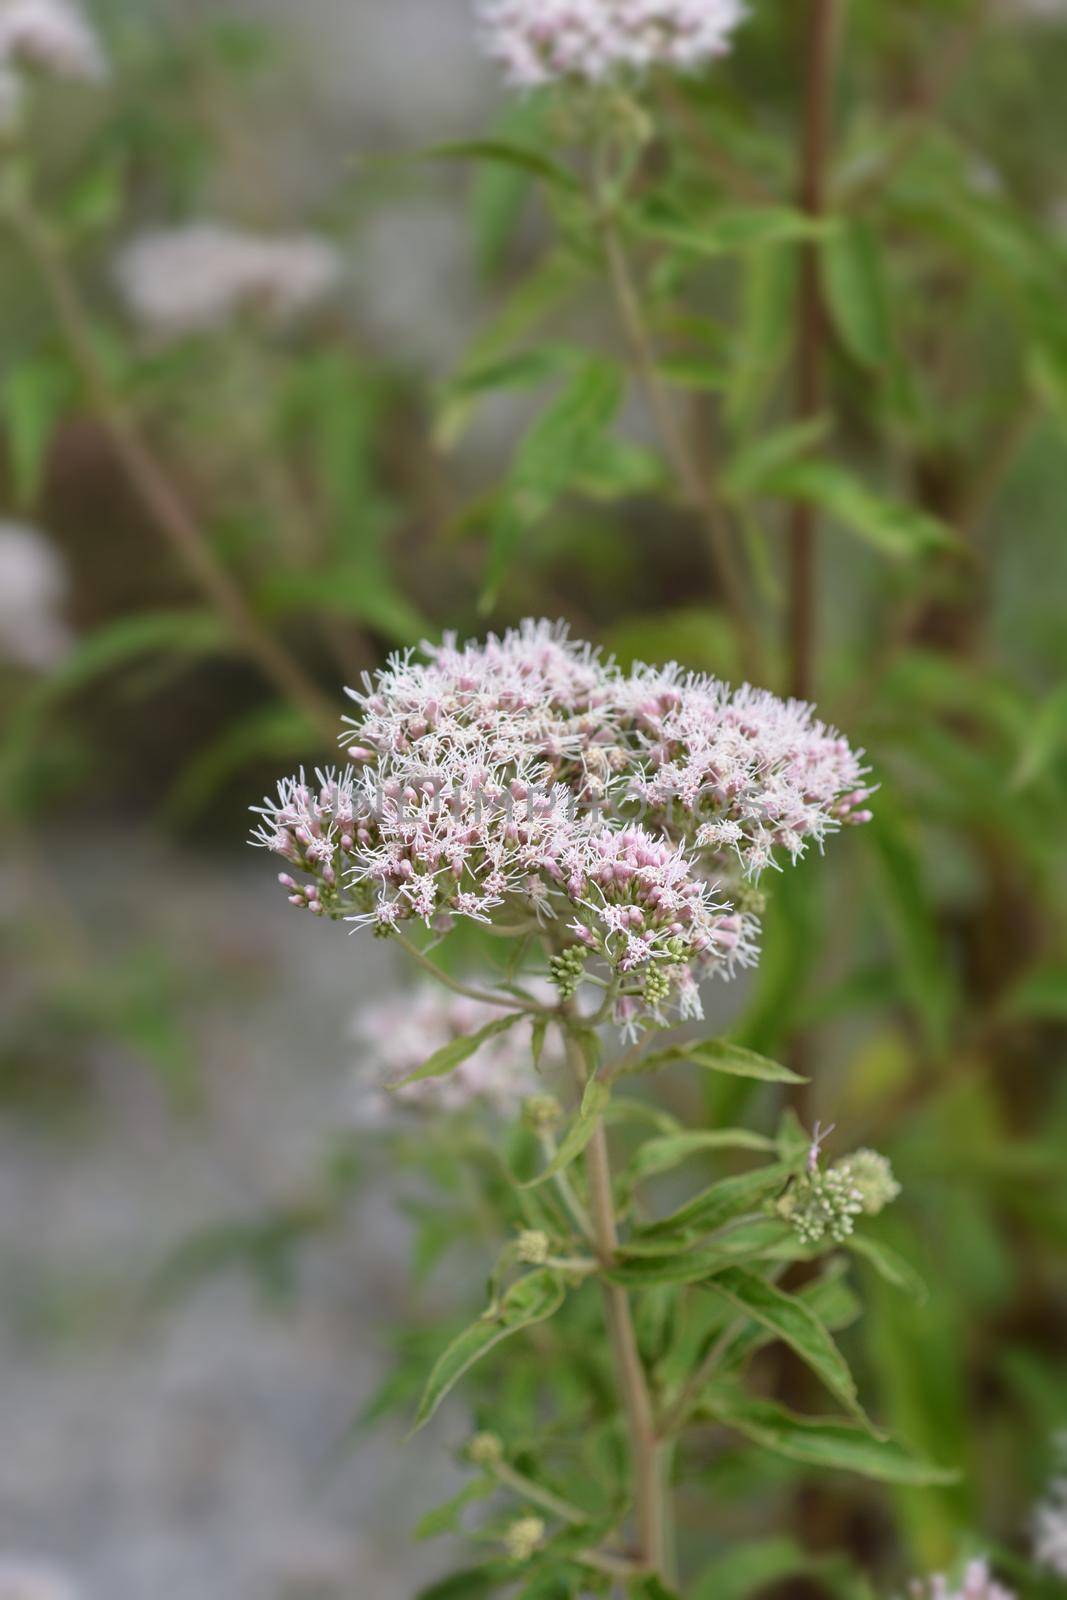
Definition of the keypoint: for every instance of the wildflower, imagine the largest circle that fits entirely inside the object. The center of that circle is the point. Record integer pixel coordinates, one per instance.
(820, 1204)
(485, 1450)
(977, 1584)
(1050, 1525)
(541, 41)
(534, 1247)
(524, 1537)
(33, 587)
(33, 1580)
(496, 780)
(401, 1032)
(52, 37)
(196, 278)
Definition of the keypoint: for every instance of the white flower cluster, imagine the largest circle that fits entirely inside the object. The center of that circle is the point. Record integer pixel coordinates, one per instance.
(820, 1205)
(506, 778)
(542, 41)
(197, 278)
(398, 1034)
(1050, 1524)
(33, 588)
(50, 36)
(978, 1583)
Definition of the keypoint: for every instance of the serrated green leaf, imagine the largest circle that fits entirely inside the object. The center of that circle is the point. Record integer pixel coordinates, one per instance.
(533, 1298)
(456, 1051)
(824, 1443)
(797, 1325)
(721, 1055)
(854, 284)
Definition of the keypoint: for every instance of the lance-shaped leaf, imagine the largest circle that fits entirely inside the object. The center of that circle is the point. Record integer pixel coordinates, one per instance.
(740, 228)
(889, 1264)
(722, 1202)
(668, 1152)
(790, 1320)
(505, 152)
(579, 1133)
(456, 1051)
(854, 281)
(534, 1298)
(823, 1442)
(722, 1055)
(896, 529)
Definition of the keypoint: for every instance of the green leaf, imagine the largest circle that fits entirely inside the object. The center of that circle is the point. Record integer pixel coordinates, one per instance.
(1045, 738)
(897, 530)
(34, 397)
(473, 1584)
(790, 1320)
(663, 1154)
(742, 228)
(549, 458)
(904, 903)
(729, 1198)
(534, 1298)
(508, 153)
(445, 1518)
(762, 340)
(278, 731)
(578, 1135)
(747, 1569)
(855, 286)
(651, 1588)
(757, 464)
(721, 1055)
(889, 1264)
(825, 1443)
(456, 1051)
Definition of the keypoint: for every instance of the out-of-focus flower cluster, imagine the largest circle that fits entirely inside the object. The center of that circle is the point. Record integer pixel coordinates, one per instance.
(33, 1580)
(33, 589)
(1050, 1524)
(825, 1204)
(977, 1583)
(398, 1035)
(541, 41)
(50, 36)
(197, 278)
(506, 782)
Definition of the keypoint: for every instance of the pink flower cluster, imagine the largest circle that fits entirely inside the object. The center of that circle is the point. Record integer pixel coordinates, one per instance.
(499, 782)
(541, 41)
(50, 36)
(398, 1034)
(1050, 1527)
(978, 1584)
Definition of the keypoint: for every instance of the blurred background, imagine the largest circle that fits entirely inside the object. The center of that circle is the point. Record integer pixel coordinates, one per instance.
(231, 483)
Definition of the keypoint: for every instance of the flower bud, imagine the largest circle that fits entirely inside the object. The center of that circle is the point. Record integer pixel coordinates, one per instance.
(524, 1537)
(871, 1175)
(485, 1450)
(534, 1247)
(542, 1112)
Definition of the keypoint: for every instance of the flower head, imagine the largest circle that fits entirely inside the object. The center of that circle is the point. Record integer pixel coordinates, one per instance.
(872, 1178)
(499, 781)
(196, 278)
(542, 41)
(524, 1537)
(825, 1204)
(1050, 1524)
(977, 1584)
(33, 588)
(398, 1034)
(50, 36)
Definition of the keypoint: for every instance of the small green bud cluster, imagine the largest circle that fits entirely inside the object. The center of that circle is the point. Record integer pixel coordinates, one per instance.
(534, 1247)
(826, 1204)
(657, 987)
(524, 1537)
(566, 970)
(485, 1450)
(542, 1112)
(872, 1177)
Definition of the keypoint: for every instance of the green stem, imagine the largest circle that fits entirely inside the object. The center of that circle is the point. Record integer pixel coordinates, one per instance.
(649, 1500)
(486, 996)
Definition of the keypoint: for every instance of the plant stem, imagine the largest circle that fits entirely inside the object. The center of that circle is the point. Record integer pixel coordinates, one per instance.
(820, 38)
(158, 494)
(649, 1499)
(486, 996)
(527, 1489)
(698, 494)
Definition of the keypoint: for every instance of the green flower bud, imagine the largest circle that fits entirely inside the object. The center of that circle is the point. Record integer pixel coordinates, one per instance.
(534, 1247)
(524, 1537)
(542, 1112)
(872, 1176)
(485, 1450)
(821, 1204)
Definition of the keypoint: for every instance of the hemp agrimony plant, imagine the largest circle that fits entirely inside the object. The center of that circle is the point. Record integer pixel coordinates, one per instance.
(611, 829)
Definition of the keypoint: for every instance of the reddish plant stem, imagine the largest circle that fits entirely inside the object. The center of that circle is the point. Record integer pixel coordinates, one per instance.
(820, 41)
